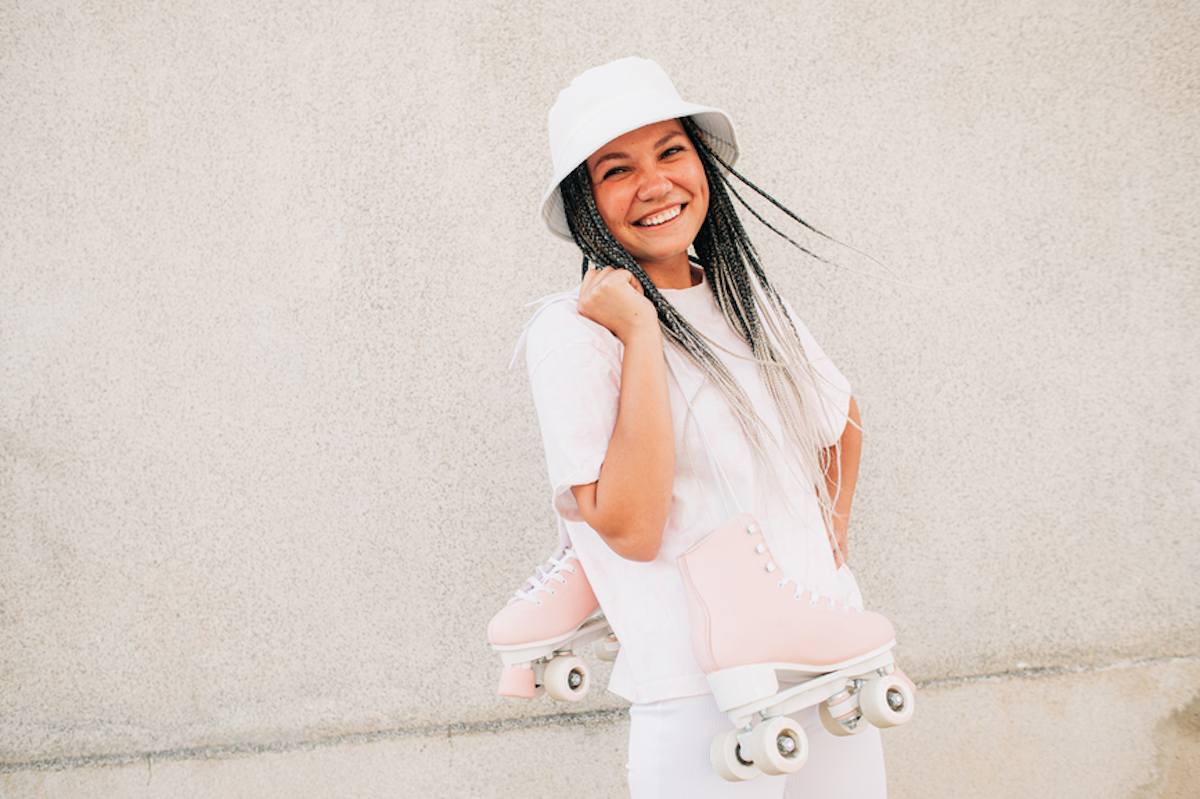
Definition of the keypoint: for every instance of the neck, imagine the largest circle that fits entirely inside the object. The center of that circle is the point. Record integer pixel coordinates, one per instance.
(673, 273)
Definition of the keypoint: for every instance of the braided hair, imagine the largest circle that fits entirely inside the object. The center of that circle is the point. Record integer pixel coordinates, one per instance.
(751, 305)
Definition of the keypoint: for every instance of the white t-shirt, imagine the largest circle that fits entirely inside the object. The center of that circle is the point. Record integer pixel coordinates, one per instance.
(574, 367)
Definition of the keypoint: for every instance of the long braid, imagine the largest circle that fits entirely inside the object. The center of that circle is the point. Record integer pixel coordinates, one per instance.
(786, 368)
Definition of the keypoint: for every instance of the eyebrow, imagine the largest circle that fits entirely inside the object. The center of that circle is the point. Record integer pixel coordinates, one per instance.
(657, 144)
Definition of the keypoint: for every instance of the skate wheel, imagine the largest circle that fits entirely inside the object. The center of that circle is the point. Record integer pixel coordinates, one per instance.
(887, 701)
(728, 760)
(607, 648)
(851, 724)
(566, 678)
(778, 746)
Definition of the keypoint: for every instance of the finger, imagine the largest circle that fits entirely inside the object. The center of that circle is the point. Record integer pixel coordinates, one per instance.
(593, 274)
(630, 278)
(606, 272)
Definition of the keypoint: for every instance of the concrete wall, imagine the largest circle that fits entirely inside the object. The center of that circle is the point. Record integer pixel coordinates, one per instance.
(264, 476)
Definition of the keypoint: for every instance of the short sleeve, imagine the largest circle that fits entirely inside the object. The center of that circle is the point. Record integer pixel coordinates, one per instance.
(575, 377)
(835, 391)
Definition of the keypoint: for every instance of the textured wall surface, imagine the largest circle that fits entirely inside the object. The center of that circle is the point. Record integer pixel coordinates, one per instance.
(264, 475)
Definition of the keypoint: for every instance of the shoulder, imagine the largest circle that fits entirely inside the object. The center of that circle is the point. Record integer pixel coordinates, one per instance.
(795, 317)
(811, 348)
(790, 308)
(556, 324)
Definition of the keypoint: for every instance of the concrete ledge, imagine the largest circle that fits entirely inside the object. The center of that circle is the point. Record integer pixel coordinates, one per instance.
(1127, 730)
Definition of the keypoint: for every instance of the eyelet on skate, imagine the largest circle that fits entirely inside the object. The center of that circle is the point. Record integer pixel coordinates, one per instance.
(760, 549)
(752, 528)
(770, 566)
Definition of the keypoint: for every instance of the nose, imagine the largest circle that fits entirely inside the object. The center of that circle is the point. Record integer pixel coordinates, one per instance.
(654, 184)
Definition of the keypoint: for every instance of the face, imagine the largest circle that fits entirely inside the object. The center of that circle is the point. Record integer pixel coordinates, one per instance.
(650, 174)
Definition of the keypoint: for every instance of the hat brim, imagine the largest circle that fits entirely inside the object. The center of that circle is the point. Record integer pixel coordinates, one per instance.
(715, 123)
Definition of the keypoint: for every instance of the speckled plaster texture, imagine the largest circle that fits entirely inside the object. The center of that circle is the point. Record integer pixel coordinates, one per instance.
(264, 475)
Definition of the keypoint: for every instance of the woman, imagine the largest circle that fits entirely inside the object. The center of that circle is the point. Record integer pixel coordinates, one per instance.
(639, 178)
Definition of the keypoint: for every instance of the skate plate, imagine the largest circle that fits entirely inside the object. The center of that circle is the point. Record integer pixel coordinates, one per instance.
(594, 627)
(778, 689)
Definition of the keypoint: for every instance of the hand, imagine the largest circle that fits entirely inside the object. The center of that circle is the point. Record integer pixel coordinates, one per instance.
(615, 298)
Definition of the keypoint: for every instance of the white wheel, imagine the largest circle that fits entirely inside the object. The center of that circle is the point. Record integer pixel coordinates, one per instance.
(728, 760)
(852, 722)
(607, 648)
(566, 678)
(778, 746)
(887, 701)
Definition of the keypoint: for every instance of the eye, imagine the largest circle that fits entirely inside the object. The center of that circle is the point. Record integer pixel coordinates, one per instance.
(665, 153)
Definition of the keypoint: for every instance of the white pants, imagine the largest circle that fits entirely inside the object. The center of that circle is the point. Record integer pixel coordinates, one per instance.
(668, 757)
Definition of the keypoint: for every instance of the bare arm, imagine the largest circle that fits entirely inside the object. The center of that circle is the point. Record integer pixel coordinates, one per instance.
(628, 505)
(849, 449)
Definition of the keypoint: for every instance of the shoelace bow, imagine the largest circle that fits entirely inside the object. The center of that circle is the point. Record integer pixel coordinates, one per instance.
(551, 570)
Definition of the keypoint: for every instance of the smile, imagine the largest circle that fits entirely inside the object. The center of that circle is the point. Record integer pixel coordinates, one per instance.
(662, 219)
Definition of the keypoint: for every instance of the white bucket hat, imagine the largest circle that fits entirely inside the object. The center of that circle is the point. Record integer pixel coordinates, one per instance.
(610, 100)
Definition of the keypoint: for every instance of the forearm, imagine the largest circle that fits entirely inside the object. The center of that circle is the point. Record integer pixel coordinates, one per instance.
(633, 495)
(849, 451)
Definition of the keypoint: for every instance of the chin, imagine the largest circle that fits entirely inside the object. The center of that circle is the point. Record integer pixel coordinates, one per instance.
(656, 255)
(662, 249)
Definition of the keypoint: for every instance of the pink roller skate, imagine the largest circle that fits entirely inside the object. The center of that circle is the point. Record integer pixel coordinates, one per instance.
(543, 621)
(770, 649)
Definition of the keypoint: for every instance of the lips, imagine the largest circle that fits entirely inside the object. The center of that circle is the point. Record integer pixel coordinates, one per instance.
(680, 206)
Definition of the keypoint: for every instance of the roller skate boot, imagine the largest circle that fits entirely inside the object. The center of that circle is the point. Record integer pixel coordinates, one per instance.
(536, 632)
(771, 647)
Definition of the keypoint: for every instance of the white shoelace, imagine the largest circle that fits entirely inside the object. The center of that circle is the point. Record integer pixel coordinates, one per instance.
(814, 598)
(551, 570)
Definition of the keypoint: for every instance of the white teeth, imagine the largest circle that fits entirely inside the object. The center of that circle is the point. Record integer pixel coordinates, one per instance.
(658, 219)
